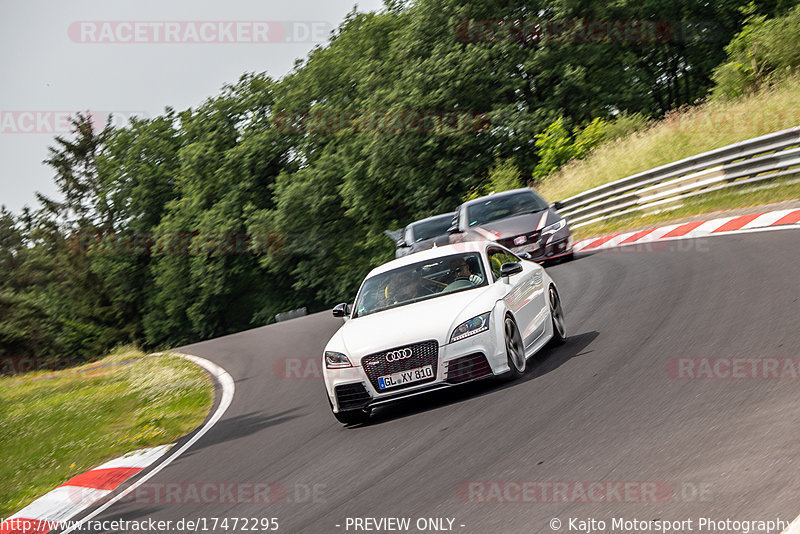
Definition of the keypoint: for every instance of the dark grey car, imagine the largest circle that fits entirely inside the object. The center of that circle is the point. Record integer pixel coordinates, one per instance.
(424, 234)
(520, 220)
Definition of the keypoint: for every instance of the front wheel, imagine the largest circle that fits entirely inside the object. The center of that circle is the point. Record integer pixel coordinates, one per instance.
(557, 317)
(352, 417)
(515, 352)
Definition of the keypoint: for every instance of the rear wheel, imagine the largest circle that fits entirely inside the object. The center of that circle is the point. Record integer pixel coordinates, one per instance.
(557, 316)
(515, 351)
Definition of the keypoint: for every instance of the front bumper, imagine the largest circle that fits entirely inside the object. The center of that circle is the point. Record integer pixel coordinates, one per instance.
(474, 358)
(548, 248)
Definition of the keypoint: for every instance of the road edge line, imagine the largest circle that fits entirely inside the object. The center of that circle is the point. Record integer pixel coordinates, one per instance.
(228, 387)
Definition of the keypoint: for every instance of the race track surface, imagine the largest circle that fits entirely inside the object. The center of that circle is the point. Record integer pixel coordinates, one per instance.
(608, 406)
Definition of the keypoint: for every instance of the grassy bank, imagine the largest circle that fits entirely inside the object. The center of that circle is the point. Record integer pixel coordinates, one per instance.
(56, 425)
(682, 134)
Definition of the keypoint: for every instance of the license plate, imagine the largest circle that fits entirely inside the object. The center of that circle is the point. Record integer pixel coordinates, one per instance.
(405, 377)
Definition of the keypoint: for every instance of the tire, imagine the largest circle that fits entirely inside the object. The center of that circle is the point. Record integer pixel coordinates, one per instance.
(352, 417)
(349, 417)
(557, 317)
(515, 350)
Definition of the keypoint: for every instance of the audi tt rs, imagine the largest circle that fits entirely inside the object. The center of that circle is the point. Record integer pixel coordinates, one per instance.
(436, 319)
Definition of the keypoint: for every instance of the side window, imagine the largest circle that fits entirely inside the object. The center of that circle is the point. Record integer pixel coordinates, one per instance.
(497, 257)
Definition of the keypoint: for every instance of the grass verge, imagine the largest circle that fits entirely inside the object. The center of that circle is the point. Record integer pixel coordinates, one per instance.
(681, 134)
(57, 425)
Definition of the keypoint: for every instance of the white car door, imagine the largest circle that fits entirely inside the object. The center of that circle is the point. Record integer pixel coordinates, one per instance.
(526, 295)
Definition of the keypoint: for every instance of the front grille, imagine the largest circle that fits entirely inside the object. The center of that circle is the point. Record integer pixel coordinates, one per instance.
(532, 238)
(468, 368)
(424, 353)
(352, 396)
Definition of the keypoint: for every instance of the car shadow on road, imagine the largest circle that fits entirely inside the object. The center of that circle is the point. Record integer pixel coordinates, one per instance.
(545, 361)
(240, 426)
(553, 357)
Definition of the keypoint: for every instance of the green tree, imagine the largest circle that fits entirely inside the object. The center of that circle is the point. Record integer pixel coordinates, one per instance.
(207, 280)
(764, 52)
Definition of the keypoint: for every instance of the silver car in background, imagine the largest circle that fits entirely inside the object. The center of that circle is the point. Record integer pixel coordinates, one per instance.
(424, 234)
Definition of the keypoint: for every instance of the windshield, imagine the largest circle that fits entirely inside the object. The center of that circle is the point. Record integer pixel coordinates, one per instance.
(429, 229)
(420, 281)
(496, 208)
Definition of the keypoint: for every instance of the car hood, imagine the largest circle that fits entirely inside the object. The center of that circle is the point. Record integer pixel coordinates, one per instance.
(430, 319)
(518, 224)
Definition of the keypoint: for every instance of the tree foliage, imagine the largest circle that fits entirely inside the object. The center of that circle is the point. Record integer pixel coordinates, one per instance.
(764, 52)
(275, 194)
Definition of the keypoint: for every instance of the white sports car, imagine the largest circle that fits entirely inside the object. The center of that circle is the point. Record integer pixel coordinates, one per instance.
(437, 319)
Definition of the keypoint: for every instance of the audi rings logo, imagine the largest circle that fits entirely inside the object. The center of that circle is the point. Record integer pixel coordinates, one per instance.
(397, 355)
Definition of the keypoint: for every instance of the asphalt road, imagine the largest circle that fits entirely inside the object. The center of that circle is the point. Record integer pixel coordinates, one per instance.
(604, 407)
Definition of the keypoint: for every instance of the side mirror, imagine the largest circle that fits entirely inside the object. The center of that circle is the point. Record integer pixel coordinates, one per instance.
(557, 205)
(402, 244)
(525, 256)
(510, 269)
(453, 229)
(341, 310)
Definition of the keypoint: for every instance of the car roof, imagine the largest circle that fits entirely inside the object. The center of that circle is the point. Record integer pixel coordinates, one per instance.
(442, 216)
(499, 195)
(432, 253)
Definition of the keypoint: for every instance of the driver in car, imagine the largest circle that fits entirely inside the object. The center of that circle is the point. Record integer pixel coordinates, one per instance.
(459, 268)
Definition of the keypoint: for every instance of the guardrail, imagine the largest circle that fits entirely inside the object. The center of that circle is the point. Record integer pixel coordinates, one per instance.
(756, 160)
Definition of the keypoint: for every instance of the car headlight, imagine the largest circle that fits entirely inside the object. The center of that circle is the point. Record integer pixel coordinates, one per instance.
(336, 360)
(476, 325)
(555, 227)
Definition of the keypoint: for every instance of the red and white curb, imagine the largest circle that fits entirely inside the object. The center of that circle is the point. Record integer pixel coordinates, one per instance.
(692, 229)
(56, 509)
(80, 492)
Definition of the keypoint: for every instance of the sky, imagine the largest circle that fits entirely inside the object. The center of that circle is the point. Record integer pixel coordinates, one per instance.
(134, 58)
